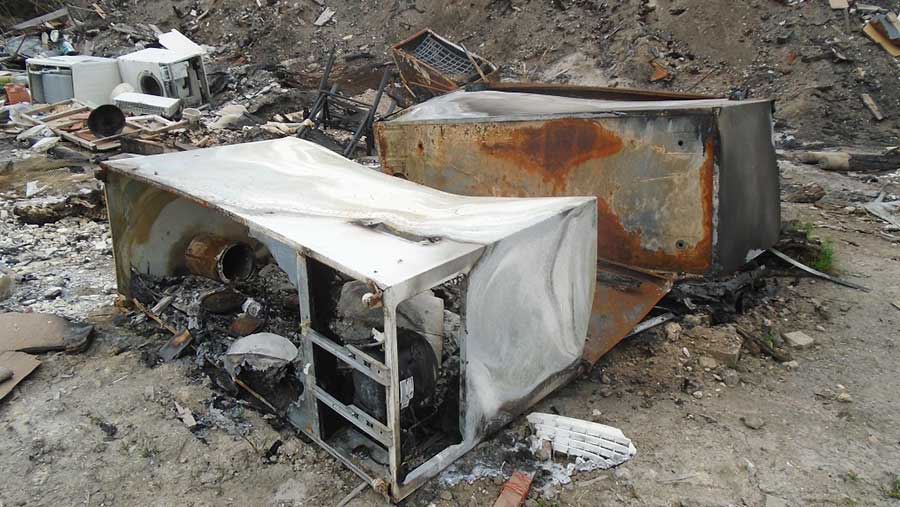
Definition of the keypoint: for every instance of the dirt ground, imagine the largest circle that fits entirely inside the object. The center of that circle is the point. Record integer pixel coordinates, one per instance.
(103, 427)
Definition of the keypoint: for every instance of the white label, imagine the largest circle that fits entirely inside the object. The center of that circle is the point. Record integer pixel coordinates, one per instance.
(407, 387)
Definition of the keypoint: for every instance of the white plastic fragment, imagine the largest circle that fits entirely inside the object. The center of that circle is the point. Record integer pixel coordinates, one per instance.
(585, 441)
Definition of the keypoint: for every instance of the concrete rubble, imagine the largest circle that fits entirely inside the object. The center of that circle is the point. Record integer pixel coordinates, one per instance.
(265, 252)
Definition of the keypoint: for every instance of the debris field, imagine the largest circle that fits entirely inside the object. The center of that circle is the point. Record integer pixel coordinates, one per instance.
(505, 253)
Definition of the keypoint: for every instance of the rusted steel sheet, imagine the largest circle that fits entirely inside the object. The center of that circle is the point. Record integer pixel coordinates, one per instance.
(587, 92)
(431, 65)
(655, 167)
(622, 298)
(654, 201)
(683, 185)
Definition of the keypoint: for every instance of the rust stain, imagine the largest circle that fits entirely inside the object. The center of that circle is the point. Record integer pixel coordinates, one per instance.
(618, 307)
(149, 204)
(555, 148)
(616, 243)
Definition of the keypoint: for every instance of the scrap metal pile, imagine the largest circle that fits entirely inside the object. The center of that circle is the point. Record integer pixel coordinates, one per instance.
(395, 324)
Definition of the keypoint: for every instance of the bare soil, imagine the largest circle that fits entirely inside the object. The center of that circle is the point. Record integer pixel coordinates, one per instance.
(102, 427)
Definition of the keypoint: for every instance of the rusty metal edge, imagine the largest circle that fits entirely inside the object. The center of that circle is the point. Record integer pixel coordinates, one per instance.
(587, 92)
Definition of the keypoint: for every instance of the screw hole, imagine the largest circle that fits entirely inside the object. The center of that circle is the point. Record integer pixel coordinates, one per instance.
(680, 244)
(680, 143)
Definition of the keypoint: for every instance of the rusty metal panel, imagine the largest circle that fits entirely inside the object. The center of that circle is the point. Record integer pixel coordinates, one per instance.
(656, 167)
(683, 184)
(587, 92)
(655, 192)
(622, 298)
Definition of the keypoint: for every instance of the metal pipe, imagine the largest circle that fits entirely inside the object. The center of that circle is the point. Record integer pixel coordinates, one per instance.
(220, 258)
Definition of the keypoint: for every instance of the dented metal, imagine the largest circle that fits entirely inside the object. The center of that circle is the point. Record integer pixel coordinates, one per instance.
(522, 269)
(683, 184)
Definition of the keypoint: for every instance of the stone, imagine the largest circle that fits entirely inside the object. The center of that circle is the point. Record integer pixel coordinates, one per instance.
(7, 285)
(708, 363)
(5, 374)
(43, 145)
(693, 320)
(791, 365)
(731, 378)
(722, 344)
(798, 339)
(753, 422)
(774, 501)
(446, 495)
(53, 293)
(545, 452)
(673, 331)
(697, 394)
(807, 194)
(844, 397)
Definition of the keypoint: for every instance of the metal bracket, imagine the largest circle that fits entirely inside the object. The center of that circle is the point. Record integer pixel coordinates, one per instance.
(360, 419)
(354, 357)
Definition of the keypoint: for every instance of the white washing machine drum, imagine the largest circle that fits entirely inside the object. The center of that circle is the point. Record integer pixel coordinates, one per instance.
(151, 84)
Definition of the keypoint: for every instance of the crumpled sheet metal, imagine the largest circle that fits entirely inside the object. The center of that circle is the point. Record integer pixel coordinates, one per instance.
(527, 267)
(303, 194)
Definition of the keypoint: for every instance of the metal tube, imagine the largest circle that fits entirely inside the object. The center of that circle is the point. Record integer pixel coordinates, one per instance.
(220, 258)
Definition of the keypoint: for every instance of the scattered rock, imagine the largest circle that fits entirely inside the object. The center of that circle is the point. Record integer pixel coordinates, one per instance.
(673, 331)
(792, 365)
(753, 422)
(697, 394)
(721, 344)
(808, 194)
(53, 293)
(731, 378)
(844, 397)
(544, 452)
(7, 285)
(774, 501)
(446, 496)
(44, 145)
(694, 319)
(798, 339)
(708, 363)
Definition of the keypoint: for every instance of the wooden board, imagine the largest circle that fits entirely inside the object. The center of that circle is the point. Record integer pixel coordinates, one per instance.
(876, 36)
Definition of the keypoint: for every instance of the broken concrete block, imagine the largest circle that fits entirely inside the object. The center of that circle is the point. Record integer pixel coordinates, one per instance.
(721, 344)
(798, 339)
(44, 144)
(708, 363)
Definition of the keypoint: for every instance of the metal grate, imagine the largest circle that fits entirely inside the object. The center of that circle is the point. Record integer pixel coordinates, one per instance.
(442, 57)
